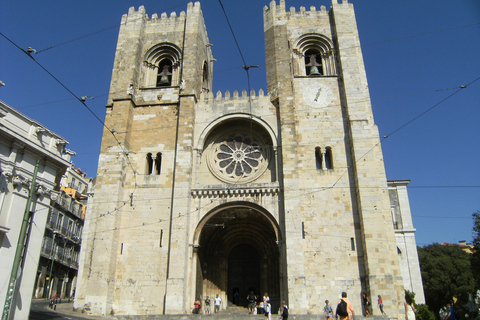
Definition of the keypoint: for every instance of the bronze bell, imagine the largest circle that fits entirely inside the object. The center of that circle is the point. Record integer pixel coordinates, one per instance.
(313, 64)
(314, 71)
(164, 76)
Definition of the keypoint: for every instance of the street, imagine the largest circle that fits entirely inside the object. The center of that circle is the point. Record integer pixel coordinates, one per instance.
(40, 311)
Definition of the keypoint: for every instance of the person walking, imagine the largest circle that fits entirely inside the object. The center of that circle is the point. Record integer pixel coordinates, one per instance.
(327, 311)
(366, 304)
(218, 302)
(344, 308)
(207, 305)
(268, 311)
(409, 308)
(380, 305)
(283, 311)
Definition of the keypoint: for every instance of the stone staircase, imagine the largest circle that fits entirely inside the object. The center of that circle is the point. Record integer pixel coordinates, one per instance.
(233, 312)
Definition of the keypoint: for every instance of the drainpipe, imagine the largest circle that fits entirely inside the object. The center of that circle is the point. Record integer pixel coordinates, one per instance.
(16, 268)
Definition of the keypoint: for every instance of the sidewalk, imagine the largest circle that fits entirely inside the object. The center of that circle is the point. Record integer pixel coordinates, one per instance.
(67, 308)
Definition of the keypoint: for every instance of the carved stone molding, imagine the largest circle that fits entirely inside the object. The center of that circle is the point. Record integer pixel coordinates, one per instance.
(218, 192)
(20, 181)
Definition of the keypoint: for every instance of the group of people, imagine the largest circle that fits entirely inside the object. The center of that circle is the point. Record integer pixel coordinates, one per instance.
(344, 309)
(264, 307)
(198, 305)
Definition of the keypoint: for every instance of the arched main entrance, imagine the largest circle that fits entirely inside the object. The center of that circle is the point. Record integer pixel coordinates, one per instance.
(238, 253)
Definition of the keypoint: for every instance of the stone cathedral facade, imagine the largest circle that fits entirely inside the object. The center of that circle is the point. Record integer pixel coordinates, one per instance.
(201, 194)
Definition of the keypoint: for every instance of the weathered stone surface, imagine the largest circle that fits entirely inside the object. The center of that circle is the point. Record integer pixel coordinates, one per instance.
(200, 194)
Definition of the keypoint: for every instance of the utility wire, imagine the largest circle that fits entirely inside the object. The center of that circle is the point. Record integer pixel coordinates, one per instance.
(430, 109)
(96, 32)
(80, 99)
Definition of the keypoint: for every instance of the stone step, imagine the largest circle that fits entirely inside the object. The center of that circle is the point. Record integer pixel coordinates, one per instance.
(224, 315)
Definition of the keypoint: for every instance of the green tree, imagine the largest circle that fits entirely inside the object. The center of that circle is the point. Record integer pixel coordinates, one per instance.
(475, 257)
(422, 310)
(446, 273)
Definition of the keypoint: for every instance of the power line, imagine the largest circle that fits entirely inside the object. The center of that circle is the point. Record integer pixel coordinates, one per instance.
(96, 32)
(80, 99)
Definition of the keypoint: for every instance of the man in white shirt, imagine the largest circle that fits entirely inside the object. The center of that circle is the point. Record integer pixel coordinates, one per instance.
(218, 302)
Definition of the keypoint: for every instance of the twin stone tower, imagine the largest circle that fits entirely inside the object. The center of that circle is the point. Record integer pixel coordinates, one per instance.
(282, 192)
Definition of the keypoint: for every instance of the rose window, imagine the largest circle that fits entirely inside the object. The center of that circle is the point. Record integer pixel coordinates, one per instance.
(238, 157)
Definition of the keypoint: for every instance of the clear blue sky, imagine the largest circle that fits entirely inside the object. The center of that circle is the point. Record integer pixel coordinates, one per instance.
(416, 52)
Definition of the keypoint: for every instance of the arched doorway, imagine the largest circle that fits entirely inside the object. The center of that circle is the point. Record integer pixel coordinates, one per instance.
(238, 253)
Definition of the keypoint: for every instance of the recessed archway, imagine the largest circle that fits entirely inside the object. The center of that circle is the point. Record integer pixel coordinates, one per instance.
(238, 252)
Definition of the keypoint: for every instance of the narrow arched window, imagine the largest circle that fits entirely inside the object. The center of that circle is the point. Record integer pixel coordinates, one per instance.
(149, 164)
(313, 56)
(313, 63)
(328, 158)
(164, 75)
(318, 158)
(161, 65)
(205, 86)
(158, 163)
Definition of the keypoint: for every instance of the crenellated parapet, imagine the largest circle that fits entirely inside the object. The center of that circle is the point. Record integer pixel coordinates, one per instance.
(164, 21)
(210, 97)
(278, 11)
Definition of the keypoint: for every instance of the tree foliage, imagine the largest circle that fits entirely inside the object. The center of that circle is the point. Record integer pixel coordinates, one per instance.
(446, 273)
(475, 257)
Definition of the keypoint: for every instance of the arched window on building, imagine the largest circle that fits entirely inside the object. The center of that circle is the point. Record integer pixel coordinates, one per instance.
(328, 158)
(318, 158)
(149, 164)
(161, 65)
(153, 166)
(158, 163)
(205, 76)
(314, 56)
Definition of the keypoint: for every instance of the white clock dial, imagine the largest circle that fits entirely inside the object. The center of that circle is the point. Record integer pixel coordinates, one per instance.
(317, 95)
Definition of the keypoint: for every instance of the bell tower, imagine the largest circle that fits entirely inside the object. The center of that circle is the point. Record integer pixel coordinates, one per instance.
(331, 149)
(162, 65)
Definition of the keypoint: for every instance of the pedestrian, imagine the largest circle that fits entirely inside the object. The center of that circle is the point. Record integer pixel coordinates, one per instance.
(366, 304)
(451, 313)
(268, 314)
(344, 308)
(196, 309)
(327, 311)
(283, 310)
(409, 308)
(380, 305)
(207, 305)
(218, 302)
(251, 298)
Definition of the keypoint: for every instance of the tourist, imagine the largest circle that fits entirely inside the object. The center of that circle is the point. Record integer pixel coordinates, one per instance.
(327, 311)
(196, 309)
(207, 305)
(251, 298)
(283, 311)
(218, 302)
(380, 305)
(366, 304)
(344, 308)
(409, 308)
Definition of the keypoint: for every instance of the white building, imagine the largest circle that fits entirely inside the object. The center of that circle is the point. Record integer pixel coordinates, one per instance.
(405, 237)
(30, 154)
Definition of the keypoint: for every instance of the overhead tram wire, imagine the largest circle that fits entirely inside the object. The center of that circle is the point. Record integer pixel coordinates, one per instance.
(460, 88)
(96, 32)
(28, 52)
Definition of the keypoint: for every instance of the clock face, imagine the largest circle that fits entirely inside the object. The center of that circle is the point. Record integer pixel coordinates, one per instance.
(317, 95)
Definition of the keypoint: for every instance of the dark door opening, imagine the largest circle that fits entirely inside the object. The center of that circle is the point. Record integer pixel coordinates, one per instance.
(243, 273)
